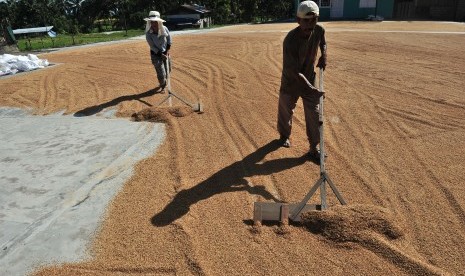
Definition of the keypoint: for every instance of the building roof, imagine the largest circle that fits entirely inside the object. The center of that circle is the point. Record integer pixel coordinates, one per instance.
(33, 30)
(196, 8)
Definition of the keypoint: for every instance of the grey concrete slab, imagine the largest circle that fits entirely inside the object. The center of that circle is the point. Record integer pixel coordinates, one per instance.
(57, 175)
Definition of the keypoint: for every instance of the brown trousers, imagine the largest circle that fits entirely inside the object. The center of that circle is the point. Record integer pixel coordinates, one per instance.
(287, 103)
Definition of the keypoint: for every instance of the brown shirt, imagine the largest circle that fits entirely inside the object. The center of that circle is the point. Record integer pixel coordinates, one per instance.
(299, 55)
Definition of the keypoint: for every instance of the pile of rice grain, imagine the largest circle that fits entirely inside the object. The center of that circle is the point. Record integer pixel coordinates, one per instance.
(350, 223)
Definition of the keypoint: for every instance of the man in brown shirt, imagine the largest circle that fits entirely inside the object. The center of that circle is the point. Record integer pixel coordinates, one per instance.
(300, 50)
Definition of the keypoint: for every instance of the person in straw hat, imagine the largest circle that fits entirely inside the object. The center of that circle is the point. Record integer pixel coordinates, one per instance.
(300, 48)
(159, 40)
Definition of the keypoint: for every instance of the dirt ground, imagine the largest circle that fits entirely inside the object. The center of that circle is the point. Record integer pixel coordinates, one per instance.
(394, 132)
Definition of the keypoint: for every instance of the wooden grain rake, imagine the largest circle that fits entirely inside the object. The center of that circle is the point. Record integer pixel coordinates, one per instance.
(283, 212)
(197, 107)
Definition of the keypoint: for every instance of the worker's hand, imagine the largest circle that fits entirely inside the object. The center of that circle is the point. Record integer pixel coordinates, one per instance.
(322, 62)
(309, 87)
(306, 83)
(165, 55)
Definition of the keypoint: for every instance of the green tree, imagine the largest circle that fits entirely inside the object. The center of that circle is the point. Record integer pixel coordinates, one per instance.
(249, 10)
(73, 30)
(130, 13)
(4, 10)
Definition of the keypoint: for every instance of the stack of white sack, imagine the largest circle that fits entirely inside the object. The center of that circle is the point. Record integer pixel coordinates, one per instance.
(11, 64)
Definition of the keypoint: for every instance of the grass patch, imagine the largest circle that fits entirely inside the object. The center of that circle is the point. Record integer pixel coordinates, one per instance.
(64, 40)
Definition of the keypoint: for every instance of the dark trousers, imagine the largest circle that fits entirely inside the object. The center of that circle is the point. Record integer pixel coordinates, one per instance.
(286, 105)
(160, 64)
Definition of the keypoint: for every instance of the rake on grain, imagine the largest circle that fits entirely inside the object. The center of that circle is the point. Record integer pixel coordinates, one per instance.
(197, 107)
(283, 212)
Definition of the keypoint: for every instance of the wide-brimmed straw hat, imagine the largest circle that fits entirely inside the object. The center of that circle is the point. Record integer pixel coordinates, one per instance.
(154, 16)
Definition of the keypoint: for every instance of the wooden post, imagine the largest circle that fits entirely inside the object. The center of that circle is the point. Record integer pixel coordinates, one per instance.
(257, 214)
(284, 214)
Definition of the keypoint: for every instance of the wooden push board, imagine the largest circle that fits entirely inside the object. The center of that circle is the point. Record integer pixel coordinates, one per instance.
(272, 211)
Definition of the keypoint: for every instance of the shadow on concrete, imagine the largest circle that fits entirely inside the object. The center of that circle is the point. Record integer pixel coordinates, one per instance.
(229, 179)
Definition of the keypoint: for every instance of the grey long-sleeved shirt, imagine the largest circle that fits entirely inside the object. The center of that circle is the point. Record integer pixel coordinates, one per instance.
(158, 43)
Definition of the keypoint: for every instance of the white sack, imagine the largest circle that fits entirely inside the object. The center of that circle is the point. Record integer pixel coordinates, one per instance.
(11, 64)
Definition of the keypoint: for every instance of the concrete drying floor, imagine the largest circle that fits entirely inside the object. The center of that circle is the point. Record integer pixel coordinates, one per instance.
(57, 174)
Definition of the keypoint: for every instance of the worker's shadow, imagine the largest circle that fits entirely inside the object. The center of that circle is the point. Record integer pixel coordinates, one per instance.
(92, 110)
(229, 179)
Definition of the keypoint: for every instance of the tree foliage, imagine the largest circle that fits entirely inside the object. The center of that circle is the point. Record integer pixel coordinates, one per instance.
(72, 16)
